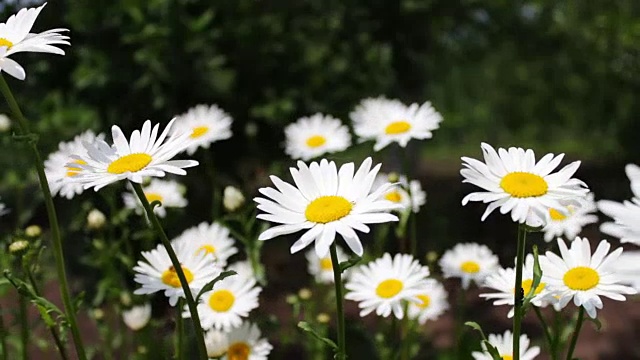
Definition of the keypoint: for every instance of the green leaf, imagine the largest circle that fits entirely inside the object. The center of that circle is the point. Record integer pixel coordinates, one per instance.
(306, 327)
(490, 348)
(537, 276)
(211, 283)
(349, 263)
(595, 322)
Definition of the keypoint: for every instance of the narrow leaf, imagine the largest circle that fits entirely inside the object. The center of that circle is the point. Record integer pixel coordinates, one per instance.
(211, 283)
(306, 327)
(349, 263)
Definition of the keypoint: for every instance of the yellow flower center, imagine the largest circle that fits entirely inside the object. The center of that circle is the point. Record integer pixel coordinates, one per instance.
(425, 300)
(73, 171)
(325, 264)
(397, 127)
(526, 286)
(238, 351)
(507, 357)
(151, 197)
(170, 276)
(470, 267)
(208, 249)
(5, 42)
(327, 209)
(556, 215)
(199, 131)
(221, 300)
(389, 288)
(129, 163)
(393, 196)
(316, 141)
(581, 278)
(524, 185)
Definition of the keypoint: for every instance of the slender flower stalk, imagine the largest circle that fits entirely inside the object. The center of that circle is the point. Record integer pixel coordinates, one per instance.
(576, 332)
(24, 327)
(180, 332)
(3, 337)
(176, 265)
(518, 292)
(337, 277)
(53, 220)
(547, 333)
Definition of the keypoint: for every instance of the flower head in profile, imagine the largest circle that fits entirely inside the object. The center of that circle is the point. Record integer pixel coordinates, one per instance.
(387, 121)
(208, 238)
(157, 273)
(325, 202)
(15, 37)
(205, 125)
(504, 345)
(322, 268)
(385, 284)
(137, 317)
(60, 172)
(168, 192)
(408, 194)
(145, 155)
(230, 301)
(584, 277)
(316, 135)
(626, 215)
(468, 262)
(246, 342)
(578, 214)
(502, 281)
(514, 182)
(432, 302)
(627, 267)
(243, 269)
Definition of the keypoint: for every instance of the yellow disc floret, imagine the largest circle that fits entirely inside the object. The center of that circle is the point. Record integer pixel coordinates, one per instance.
(5, 42)
(129, 163)
(73, 171)
(316, 141)
(221, 300)
(325, 264)
(425, 300)
(170, 276)
(581, 278)
(151, 197)
(327, 209)
(208, 249)
(397, 127)
(389, 288)
(470, 267)
(238, 351)
(393, 196)
(556, 215)
(199, 131)
(526, 286)
(524, 185)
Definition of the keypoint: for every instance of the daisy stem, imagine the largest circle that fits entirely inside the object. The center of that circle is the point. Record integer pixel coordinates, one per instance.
(176, 265)
(179, 332)
(69, 309)
(576, 332)
(547, 333)
(337, 277)
(518, 292)
(24, 327)
(3, 337)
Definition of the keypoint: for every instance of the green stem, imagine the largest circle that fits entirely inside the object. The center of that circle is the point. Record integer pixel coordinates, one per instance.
(518, 293)
(24, 328)
(341, 354)
(547, 333)
(3, 337)
(576, 332)
(179, 333)
(202, 349)
(404, 334)
(53, 221)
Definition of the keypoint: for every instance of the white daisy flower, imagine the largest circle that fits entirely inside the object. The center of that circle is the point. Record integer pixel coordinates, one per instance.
(246, 342)
(504, 345)
(145, 155)
(408, 194)
(633, 173)
(626, 215)
(170, 194)
(231, 300)
(216, 343)
(387, 121)
(324, 202)
(158, 274)
(60, 172)
(15, 37)
(503, 280)
(627, 267)
(208, 238)
(432, 302)
(570, 223)
(242, 268)
(515, 183)
(583, 277)
(137, 317)
(385, 284)
(468, 262)
(322, 268)
(316, 135)
(3, 209)
(205, 125)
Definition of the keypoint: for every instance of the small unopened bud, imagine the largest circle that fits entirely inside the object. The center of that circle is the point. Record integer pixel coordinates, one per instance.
(251, 129)
(305, 294)
(431, 257)
(5, 123)
(33, 231)
(137, 317)
(393, 177)
(98, 314)
(125, 298)
(18, 246)
(96, 220)
(232, 198)
(291, 299)
(142, 349)
(323, 318)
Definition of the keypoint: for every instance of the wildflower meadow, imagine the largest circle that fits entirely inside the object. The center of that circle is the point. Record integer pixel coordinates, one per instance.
(186, 179)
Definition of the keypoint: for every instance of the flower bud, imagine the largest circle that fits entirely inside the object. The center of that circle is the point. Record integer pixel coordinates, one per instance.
(5, 123)
(305, 294)
(18, 246)
(137, 317)
(232, 198)
(33, 231)
(323, 318)
(96, 220)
